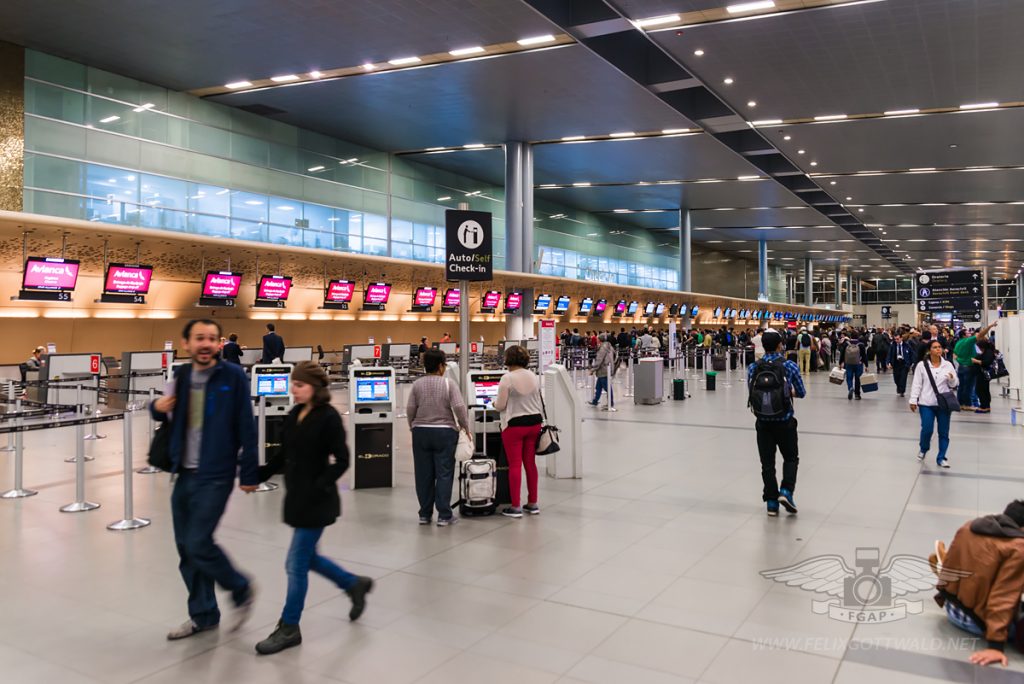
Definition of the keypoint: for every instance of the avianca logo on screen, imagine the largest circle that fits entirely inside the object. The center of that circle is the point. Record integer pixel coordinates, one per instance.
(46, 269)
(50, 275)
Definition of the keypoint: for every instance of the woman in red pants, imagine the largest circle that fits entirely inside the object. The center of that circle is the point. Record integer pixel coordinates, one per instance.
(519, 403)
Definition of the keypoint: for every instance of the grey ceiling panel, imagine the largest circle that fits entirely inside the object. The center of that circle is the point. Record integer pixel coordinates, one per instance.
(954, 213)
(861, 58)
(486, 164)
(696, 195)
(541, 95)
(804, 216)
(194, 43)
(1001, 185)
(989, 137)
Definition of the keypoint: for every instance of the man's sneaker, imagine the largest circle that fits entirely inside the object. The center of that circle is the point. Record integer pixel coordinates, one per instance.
(786, 500)
(445, 522)
(773, 509)
(284, 636)
(424, 521)
(849, 396)
(591, 403)
(943, 463)
(921, 455)
(532, 509)
(243, 609)
(187, 629)
(511, 512)
(358, 592)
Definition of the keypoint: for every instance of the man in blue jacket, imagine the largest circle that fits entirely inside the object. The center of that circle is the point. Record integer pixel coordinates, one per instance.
(213, 438)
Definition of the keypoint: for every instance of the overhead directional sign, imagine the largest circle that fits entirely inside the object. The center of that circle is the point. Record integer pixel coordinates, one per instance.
(960, 293)
(468, 253)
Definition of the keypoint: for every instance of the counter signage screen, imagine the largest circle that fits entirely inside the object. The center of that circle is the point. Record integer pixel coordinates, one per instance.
(221, 284)
(44, 273)
(718, 312)
(452, 297)
(694, 311)
(620, 307)
(649, 309)
(377, 293)
(492, 300)
(586, 306)
(340, 291)
(274, 288)
(673, 310)
(424, 297)
(633, 306)
(514, 302)
(562, 304)
(542, 304)
(599, 307)
(659, 310)
(132, 279)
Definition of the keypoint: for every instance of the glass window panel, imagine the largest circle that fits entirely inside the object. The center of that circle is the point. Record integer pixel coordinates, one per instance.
(318, 239)
(164, 202)
(355, 225)
(401, 250)
(111, 211)
(248, 230)
(52, 173)
(56, 103)
(285, 235)
(320, 218)
(401, 231)
(378, 247)
(202, 224)
(422, 234)
(248, 206)
(284, 212)
(422, 253)
(375, 226)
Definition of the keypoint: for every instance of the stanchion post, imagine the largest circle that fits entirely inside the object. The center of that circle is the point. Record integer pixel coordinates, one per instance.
(129, 522)
(79, 505)
(10, 435)
(262, 445)
(19, 491)
(93, 434)
(81, 413)
(149, 470)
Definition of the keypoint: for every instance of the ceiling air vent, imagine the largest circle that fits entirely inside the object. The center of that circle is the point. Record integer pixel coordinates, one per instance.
(262, 109)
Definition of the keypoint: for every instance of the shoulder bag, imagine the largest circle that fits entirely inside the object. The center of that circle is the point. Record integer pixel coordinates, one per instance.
(947, 400)
(465, 448)
(547, 440)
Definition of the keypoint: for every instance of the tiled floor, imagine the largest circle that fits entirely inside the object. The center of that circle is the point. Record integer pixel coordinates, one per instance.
(646, 570)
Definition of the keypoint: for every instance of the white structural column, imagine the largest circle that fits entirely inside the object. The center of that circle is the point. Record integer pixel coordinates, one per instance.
(685, 252)
(762, 271)
(808, 282)
(839, 288)
(849, 288)
(526, 204)
(1020, 294)
(514, 206)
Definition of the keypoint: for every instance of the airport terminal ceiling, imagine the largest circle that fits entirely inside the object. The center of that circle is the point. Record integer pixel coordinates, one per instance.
(857, 146)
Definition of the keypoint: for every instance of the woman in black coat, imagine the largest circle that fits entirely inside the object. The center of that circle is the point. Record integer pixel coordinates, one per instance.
(313, 455)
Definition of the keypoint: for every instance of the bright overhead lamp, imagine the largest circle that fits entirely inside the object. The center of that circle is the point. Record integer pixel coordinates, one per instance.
(801, 151)
(313, 169)
(787, 137)
(570, 138)
(238, 84)
(830, 117)
(751, 103)
(622, 211)
(748, 178)
(901, 112)
(814, 163)
(145, 107)
(750, 6)
(110, 119)
(767, 122)
(698, 53)
(368, 67)
(463, 52)
(623, 134)
(403, 61)
(728, 80)
(473, 146)
(980, 105)
(673, 131)
(581, 185)
(284, 78)
(657, 21)
(536, 40)
(443, 199)
(316, 74)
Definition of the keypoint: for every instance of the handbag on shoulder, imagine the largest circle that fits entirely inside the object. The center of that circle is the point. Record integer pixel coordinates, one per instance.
(547, 440)
(947, 400)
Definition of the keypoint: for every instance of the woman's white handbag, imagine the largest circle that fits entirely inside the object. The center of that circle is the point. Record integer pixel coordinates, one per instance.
(465, 448)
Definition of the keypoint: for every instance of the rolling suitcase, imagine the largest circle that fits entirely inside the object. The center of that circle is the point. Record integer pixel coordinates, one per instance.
(478, 486)
(679, 389)
(718, 363)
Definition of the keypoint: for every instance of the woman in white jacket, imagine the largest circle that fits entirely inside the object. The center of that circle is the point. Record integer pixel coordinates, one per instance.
(923, 399)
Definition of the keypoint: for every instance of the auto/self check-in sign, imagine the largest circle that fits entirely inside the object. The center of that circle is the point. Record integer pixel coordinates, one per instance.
(468, 249)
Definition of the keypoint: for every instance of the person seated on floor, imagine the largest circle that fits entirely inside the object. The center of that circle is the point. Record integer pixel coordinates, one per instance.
(981, 579)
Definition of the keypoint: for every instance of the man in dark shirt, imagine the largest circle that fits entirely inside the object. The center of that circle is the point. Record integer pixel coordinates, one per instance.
(232, 351)
(273, 346)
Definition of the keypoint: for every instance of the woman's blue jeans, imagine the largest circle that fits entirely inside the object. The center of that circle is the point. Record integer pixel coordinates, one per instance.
(302, 557)
(929, 415)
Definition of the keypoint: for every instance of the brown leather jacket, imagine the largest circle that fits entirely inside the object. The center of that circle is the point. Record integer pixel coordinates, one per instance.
(992, 550)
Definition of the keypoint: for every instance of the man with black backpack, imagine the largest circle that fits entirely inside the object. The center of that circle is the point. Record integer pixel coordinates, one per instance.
(773, 382)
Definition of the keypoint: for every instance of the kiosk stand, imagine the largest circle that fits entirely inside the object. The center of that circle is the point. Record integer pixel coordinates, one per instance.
(481, 391)
(371, 430)
(565, 410)
(270, 386)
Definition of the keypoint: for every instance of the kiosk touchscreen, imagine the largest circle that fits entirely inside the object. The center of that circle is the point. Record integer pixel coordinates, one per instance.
(271, 382)
(371, 437)
(482, 388)
(481, 391)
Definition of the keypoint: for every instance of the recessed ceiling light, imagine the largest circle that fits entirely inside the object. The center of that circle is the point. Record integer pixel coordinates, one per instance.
(537, 40)
(368, 67)
(581, 185)
(831, 182)
(315, 74)
(751, 103)
(750, 6)
(473, 146)
(623, 134)
(315, 168)
(621, 211)
(830, 117)
(402, 61)
(237, 84)
(568, 138)
(443, 199)
(765, 122)
(862, 210)
(801, 151)
(284, 78)
(728, 80)
(462, 52)
(901, 112)
(747, 178)
(953, 146)
(848, 199)
(657, 21)
(672, 131)
(698, 53)
(110, 119)
(142, 108)
(980, 105)
(787, 137)
(814, 163)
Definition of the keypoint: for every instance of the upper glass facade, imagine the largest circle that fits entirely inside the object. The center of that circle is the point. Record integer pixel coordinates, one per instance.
(107, 148)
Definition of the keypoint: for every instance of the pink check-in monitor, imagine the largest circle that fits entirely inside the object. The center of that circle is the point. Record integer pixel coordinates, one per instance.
(274, 288)
(492, 300)
(514, 301)
(45, 273)
(127, 279)
(222, 284)
(340, 291)
(424, 296)
(377, 293)
(452, 297)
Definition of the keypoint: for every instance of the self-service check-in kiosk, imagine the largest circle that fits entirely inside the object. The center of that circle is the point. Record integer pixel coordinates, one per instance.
(565, 410)
(269, 387)
(371, 426)
(481, 391)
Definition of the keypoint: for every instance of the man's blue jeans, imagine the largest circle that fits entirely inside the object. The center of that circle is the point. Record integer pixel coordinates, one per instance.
(196, 508)
(853, 373)
(967, 379)
(302, 557)
(433, 459)
(600, 386)
(929, 416)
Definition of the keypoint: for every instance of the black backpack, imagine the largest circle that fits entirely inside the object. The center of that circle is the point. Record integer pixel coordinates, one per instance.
(770, 396)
